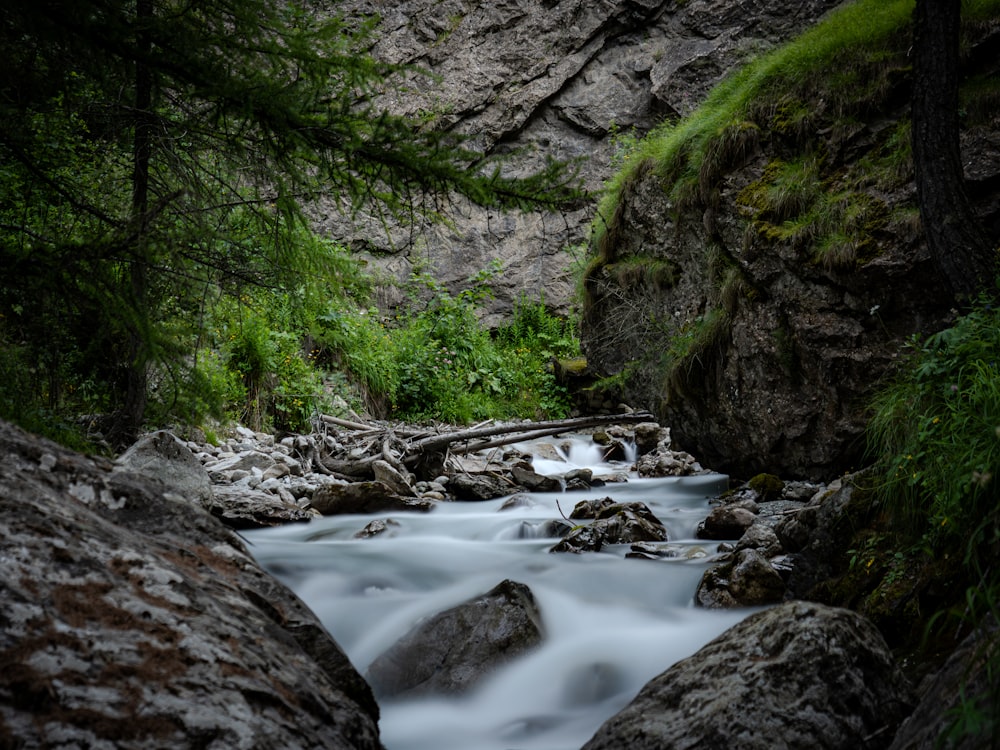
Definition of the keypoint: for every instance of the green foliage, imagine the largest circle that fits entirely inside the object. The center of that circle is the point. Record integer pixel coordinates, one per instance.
(762, 95)
(451, 368)
(936, 433)
(689, 350)
(155, 157)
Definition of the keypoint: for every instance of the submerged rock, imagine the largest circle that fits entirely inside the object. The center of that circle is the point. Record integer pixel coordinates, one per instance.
(799, 676)
(131, 618)
(454, 649)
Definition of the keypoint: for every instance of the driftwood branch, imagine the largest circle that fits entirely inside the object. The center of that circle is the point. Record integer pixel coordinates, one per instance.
(458, 442)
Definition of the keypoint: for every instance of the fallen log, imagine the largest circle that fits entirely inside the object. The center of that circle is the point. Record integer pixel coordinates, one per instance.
(416, 449)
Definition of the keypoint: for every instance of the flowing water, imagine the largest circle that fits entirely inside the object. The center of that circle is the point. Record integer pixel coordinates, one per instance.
(611, 623)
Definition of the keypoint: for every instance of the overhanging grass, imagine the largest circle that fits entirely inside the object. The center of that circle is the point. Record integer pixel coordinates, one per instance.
(676, 150)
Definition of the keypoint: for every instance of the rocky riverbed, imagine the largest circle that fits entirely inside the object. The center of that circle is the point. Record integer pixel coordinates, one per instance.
(134, 615)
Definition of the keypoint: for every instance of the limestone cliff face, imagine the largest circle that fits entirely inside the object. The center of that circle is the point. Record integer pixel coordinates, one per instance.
(758, 308)
(544, 78)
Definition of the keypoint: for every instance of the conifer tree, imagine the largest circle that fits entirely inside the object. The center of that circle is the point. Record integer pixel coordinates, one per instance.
(134, 133)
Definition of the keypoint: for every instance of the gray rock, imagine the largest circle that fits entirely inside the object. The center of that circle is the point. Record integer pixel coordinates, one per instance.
(162, 457)
(746, 580)
(762, 538)
(799, 676)
(726, 522)
(133, 619)
(244, 508)
(531, 480)
(456, 648)
(618, 523)
(478, 487)
(364, 497)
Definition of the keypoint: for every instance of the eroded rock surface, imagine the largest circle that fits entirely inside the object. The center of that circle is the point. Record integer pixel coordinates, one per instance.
(798, 676)
(131, 618)
(565, 80)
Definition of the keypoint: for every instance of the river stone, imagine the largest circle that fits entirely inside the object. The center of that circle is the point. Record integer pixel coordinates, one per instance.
(799, 676)
(726, 522)
(762, 538)
(454, 649)
(621, 523)
(475, 487)
(364, 497)
(748, 580)
(133, 619)
(243, 508)
(531, 480)
(165, 458)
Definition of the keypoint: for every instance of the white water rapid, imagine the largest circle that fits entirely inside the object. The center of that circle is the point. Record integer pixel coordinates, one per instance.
(611, 623)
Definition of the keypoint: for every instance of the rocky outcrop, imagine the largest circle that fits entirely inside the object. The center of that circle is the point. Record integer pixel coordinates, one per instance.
(755, 306)
(456, 648)
(131, 618)
(798, 675)
(566, 80)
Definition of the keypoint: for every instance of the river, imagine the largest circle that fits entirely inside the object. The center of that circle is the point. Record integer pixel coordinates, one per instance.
(611, 623)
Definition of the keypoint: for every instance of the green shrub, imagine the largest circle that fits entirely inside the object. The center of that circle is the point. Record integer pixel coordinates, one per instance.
(936, 435)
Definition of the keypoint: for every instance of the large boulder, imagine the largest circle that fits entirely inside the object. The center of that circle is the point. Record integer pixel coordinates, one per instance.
(131, 618)
(798, 676)
(451, 651)
(163, 457)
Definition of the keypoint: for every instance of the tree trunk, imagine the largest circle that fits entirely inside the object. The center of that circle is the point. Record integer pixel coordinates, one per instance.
(129, 416)
(954, 235)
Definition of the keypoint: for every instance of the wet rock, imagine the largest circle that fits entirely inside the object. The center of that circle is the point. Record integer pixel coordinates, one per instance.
(617, 523)
(377, 527)
(663, 462)
(591, 508)
(649, 436)
(454, 649)
(164, 458)
(797, 676)
(531, 480)
(748, 580)
(133, 619)
(478, 487)
(726, 522)
(243, 508)
(520, 500)
(612, 449)
(364, 497)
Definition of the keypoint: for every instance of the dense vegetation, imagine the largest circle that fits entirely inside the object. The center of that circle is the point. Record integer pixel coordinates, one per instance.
(155, 159)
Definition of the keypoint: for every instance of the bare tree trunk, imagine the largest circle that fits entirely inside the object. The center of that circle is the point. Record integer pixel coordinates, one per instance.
(128, 419)
(954, 235)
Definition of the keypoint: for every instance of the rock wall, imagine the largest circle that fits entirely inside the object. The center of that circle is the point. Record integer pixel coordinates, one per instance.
(543, 79)
(757, 334)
